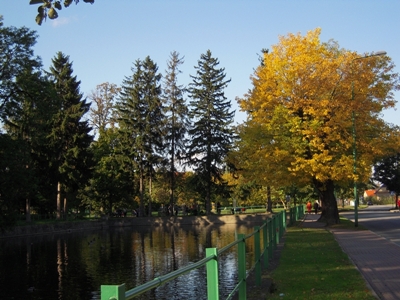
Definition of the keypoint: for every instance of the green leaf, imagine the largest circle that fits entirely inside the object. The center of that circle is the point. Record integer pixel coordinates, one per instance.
(39, 19)
(35, 2)
(57, 5)
(52, 13)
(88, 1)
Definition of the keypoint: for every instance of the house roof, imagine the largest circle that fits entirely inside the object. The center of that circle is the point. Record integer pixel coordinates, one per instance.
(370, 193)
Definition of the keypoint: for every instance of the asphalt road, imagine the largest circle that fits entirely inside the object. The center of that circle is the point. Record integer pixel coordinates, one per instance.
(381, 219)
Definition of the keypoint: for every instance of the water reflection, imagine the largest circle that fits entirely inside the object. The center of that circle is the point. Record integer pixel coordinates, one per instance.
(74, 265)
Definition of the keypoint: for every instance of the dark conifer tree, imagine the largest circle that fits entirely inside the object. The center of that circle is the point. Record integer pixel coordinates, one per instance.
(211, 134)
(141, 122)
(177, 122)
(70, 137)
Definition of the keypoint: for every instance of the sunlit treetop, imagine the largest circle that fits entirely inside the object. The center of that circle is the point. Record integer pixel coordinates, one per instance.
(302, 100)
(49, 8)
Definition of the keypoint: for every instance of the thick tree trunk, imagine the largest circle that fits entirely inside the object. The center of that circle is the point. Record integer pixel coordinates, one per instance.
(329, 212)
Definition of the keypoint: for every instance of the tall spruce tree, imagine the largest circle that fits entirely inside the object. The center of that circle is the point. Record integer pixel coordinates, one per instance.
(177, 122)
(211, 134)
(70, 136)
(141, 122)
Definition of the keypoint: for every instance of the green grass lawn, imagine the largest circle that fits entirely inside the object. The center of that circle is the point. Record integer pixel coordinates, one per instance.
(313, 266)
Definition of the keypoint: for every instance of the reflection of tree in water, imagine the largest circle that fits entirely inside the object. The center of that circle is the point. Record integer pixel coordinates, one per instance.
(130, 255)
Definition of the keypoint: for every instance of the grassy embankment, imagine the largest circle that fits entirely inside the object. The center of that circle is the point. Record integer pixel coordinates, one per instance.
(313, 266)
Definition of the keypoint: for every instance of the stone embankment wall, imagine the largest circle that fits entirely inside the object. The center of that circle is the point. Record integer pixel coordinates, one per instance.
(61, 227)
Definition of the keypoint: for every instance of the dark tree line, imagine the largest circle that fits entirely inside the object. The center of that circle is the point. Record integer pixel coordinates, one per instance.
(148, 144)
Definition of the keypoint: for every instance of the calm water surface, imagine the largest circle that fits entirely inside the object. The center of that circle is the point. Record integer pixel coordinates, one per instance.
(75, 265)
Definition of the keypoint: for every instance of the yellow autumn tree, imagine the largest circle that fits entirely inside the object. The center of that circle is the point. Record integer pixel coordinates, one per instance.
(312, 104)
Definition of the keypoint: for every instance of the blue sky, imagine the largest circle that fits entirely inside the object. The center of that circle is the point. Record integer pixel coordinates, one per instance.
(104, 39)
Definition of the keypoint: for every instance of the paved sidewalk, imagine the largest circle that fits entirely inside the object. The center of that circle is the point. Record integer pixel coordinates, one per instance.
(377, 258)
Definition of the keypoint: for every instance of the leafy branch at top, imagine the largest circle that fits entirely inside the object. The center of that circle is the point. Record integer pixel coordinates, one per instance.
(48, 8)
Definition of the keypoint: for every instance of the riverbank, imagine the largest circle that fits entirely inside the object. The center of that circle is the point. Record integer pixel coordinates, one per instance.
(63, 226)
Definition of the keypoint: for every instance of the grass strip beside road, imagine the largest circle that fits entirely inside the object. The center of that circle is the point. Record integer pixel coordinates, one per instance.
(313, 266)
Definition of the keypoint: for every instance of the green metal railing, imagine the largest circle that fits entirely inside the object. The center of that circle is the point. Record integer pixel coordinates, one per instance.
(296, 213)
(271, 232)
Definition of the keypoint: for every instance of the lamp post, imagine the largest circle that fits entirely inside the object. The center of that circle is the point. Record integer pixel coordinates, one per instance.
(353, 119)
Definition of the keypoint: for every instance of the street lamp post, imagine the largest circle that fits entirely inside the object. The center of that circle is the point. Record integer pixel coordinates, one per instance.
(353, 119)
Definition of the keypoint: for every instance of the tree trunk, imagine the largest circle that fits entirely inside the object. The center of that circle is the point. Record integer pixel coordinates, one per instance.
(172, 179)
(58, 201)
(141, 193)
(329, 212)
(65, 209)
(150, 195)
(27, 210)
(208, 198)
(269, 200)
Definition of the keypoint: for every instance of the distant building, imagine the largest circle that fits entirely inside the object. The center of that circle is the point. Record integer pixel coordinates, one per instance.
(379, 193)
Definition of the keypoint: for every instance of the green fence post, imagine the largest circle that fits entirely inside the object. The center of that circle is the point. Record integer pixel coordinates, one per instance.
(212, 275)
(280, 225)
(284, 220)
(265, 239)
(277, 217)
(274, 232)
(242, 266)
(257, 254)
(294, 214)
(270, 237)
(112, 292)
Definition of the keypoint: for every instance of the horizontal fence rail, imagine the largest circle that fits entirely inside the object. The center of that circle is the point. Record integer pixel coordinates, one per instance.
(271, 232)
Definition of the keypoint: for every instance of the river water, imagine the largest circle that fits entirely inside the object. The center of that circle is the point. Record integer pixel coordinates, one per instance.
(74, 265)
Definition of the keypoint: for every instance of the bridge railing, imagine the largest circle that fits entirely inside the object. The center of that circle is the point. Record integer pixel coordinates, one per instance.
(271, 232)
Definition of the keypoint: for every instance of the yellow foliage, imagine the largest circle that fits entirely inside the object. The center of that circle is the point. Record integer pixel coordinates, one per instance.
(300, 112)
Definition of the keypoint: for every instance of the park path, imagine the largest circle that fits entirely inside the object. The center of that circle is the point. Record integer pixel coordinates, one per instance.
(376, 258)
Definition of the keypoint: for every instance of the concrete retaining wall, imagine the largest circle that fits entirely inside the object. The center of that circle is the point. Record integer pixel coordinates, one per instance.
(129, 222)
